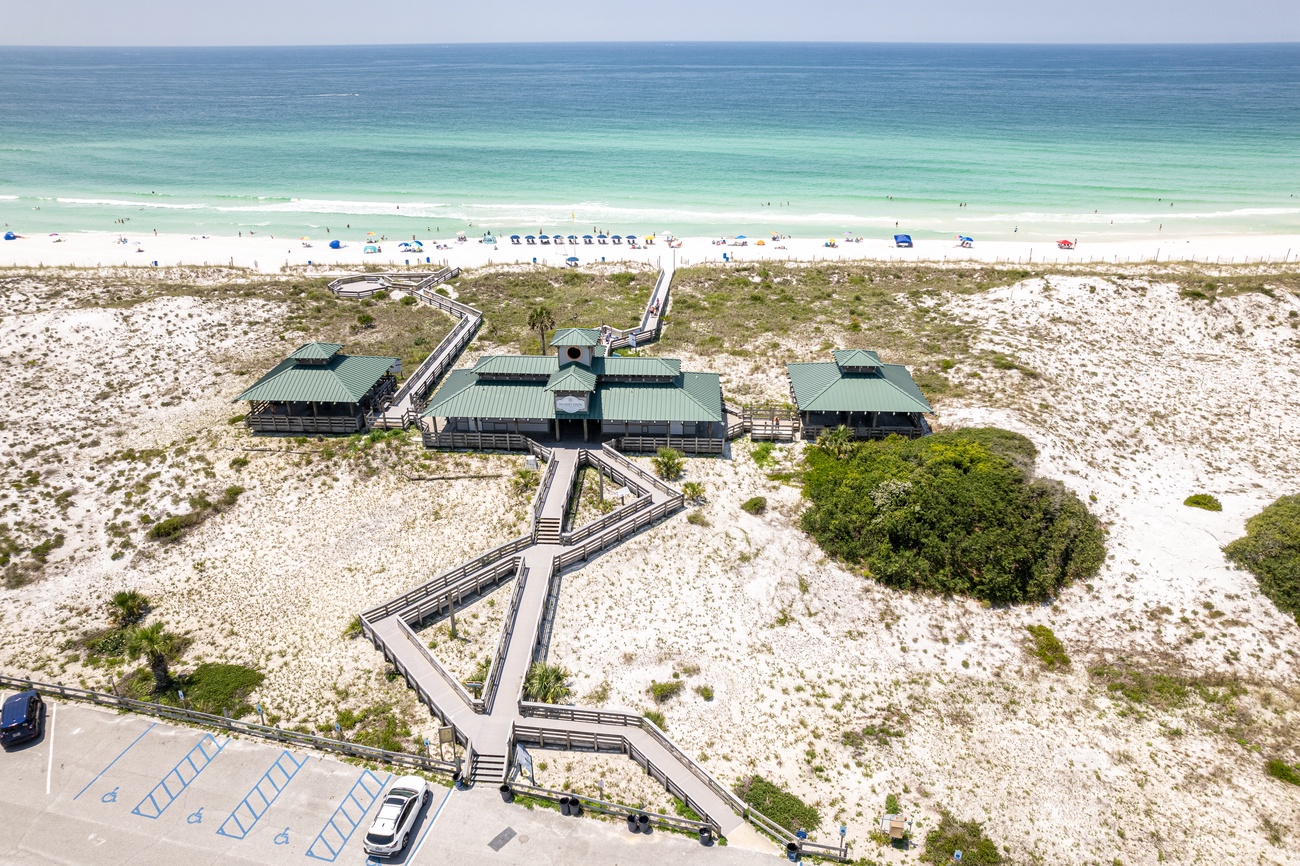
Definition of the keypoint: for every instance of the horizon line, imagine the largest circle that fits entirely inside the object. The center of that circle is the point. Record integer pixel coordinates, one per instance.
(671, 42)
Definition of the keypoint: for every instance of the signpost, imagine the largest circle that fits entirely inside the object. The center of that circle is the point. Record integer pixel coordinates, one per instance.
(524, 763)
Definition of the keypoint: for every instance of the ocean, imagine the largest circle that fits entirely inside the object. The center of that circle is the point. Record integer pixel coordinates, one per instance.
(999, 142)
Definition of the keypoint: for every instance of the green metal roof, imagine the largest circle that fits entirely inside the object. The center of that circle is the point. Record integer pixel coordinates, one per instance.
(342, 379)
(464, 395)
(616, 365)
(692, 397)
(316, 351)
(698, 397)
(824, 387)
(572, 377)
(856, 358)
(576, 337)
(540, 366)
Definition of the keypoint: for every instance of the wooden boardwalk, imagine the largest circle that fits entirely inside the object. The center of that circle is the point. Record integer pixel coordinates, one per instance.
(491, 726)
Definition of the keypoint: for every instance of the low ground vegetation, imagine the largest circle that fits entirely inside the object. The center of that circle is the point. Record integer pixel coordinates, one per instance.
(777, 804)
(1271, 552)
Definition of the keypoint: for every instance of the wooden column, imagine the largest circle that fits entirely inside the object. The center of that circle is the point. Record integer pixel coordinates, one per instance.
(584, 429)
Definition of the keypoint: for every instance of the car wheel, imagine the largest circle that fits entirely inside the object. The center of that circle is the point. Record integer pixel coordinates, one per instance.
(425, 798)
(405, 840)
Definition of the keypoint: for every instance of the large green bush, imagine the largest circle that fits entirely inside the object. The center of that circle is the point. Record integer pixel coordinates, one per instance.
(965, 836)
(954, 513)
(1271, 551)
(781, 806)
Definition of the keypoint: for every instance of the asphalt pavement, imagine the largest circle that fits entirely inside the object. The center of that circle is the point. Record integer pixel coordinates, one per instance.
(101, 789)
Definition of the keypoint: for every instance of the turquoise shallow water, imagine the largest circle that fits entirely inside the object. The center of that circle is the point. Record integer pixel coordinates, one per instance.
(1038, 141)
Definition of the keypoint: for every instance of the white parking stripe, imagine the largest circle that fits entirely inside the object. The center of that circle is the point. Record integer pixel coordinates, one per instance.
(49, 736)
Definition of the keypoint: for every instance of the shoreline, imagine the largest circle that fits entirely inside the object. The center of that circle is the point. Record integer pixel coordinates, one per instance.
(273, 255)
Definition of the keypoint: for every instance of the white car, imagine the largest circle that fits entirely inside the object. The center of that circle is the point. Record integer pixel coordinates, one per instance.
(391, 829)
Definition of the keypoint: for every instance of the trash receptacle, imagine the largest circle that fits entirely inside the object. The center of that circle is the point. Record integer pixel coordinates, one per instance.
(792, 851)
(455, 780)
(706, 836)
(632, 825)
(575, 807)
(643, 822)
(507, 795)
(565, 809)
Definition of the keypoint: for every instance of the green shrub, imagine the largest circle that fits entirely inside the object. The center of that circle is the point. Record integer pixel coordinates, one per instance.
(1048, 647)
(965, 836)
(705, 692)
(756, 505)
(365, 320)
(239, 463)
(1203, 500)
(697, 518)
(548, 684)
(665, 691)
(42, 551)
(408, 301)
(1271, 552)
(668, 463)
(658, 718)
(891, 805)
(762, 452)
(1282, 771)
(781, 806)
(171, 528)
(954, 513)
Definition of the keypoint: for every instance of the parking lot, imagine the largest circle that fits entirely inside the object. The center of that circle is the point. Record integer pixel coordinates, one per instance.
(102, 788)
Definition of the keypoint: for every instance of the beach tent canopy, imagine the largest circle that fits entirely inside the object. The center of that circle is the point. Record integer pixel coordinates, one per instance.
(572, 259)
(371, 248)
(10, 236)
(902, 240)
(336, 245)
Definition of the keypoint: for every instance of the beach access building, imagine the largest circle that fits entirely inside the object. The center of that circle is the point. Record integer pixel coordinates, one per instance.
(856, 390)
(318, 389)
(580, 391)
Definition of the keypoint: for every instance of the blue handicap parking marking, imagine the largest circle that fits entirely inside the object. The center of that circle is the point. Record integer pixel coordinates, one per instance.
(282, 838)
(334, 836)
(251, 809)
(110, 797)
(195, 817)
(180, 778)
(110, 766)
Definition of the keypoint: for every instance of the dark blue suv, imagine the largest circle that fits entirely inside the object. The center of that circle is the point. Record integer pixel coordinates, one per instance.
(23, 718)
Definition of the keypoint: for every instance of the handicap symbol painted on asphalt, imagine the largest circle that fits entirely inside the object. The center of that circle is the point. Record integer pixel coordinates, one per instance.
(282, 838)
(373, 861)
(195, 818)
(110, 797)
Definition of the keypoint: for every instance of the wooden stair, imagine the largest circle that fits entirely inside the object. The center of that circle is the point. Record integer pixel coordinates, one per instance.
(548, 530)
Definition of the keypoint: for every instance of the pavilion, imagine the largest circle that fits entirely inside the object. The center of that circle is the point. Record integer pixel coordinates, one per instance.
(579, 391)
(318, 389)
(858, 391)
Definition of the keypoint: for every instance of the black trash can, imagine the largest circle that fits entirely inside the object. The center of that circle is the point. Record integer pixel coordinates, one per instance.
(706, 836)
(632, 824)
(565, 809)
(456, 780)
(507, 795)
(575, 807)
(643, 822)
(792, 851)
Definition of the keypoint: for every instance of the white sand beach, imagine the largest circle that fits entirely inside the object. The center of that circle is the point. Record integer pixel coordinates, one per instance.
(270, 255)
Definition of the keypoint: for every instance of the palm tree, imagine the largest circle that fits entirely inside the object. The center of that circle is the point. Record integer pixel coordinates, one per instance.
(546, 683)
(128, 607)
(837, 443)
(541, 320)
(693, 491)
(155, 645)
(668, 463)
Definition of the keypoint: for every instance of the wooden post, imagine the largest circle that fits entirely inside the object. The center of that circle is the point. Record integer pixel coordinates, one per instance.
(584, 429)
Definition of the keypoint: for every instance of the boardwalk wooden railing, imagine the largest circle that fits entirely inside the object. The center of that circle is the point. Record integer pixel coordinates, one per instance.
(582, 552)
(503, 642)
(443, 597)
(617, 459)
(412, 598)
(777, 423)
(234, 726)
(477, 441)
(608, 718)
(267, 423)
(623, 512)
(435, 707)
(686, 444)
(539, 498)
(811, 433)
(454, 684)
(604, 807)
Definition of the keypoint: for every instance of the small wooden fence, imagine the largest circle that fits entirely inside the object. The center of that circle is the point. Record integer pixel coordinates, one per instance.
(539, 499)
(685, 444)
(605, 718)
(503, 642)
(616, 810)
(414, 600)
(774, 423)
(233, 726)
(265, 422)
(477, 441)
(811, 433)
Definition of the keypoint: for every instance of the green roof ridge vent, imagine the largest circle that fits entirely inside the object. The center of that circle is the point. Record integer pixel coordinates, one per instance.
(576, 337)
